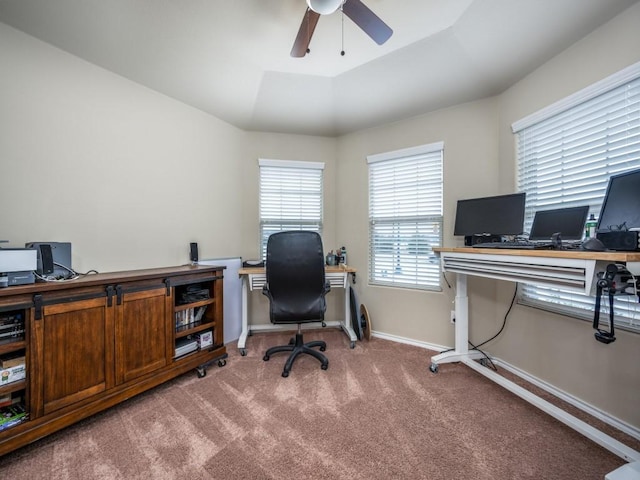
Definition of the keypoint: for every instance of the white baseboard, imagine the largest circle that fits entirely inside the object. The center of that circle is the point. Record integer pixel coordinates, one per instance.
(570, 399)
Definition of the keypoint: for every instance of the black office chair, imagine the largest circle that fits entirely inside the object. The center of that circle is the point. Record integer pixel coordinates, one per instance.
(296, 288)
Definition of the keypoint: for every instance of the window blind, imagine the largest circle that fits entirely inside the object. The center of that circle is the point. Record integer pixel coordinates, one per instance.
(405, 217)
(566, 158)
(290, 197)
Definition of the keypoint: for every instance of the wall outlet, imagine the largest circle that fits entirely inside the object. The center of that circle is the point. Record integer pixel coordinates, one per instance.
(453, 316)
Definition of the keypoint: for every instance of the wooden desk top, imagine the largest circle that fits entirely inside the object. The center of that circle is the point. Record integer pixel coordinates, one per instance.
(328, 269)
(609, 256)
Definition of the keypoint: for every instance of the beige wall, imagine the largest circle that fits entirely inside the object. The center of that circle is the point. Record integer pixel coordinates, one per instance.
(470, 162)
(127, 175)
(558, 349)
(130, 177)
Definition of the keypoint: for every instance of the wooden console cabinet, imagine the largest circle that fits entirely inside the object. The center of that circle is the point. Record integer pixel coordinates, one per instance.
(93, 342)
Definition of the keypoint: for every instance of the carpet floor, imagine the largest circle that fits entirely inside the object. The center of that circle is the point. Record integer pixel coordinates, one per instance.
(376, 413)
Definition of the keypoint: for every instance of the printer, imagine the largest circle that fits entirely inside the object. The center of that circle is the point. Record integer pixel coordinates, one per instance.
(17, 266)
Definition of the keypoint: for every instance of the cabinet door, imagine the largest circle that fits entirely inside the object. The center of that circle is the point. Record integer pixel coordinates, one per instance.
(73, 353)
(141, 333)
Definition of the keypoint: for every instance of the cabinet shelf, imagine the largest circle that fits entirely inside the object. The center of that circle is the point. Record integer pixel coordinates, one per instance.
(12, 346)
(192, 328)
(13, 387)
(201, 303)
(204, 352)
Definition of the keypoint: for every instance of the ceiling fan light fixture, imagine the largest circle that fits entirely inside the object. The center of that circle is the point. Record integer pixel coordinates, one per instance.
(324, 7)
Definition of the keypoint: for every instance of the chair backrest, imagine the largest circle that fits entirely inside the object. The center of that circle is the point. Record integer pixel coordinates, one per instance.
(296, 284)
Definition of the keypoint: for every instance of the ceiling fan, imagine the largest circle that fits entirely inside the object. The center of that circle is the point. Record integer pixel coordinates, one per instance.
(357, 11)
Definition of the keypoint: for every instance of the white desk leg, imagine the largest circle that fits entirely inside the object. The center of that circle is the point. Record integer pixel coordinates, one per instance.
(242, 341)
(462, 315)
(461, 350)
(346, 325)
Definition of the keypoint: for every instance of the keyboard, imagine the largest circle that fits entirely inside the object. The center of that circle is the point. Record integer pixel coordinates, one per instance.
(516, 245)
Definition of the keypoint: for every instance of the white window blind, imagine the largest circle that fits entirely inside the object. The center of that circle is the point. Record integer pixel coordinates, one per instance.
(405, 217)
(565, 158)
(290, 197)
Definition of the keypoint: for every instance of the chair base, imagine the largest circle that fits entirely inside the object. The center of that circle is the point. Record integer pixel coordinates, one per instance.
(296, 347)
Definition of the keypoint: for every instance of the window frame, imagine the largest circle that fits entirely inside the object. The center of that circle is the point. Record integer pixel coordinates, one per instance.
(609, 160)
(309, 203)
(407, 218)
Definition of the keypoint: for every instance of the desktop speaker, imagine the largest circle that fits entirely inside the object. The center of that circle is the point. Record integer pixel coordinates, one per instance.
(625, 241)
(193, 252)
(471, 240)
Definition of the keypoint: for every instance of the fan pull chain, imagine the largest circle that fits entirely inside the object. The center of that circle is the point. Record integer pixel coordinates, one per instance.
(342, 12)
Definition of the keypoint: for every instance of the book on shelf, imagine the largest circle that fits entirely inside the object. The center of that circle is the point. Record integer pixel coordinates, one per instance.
(205, 339)
(189, 317)
(10, 399)
(9, 361)
(12, 415)
(12, 374)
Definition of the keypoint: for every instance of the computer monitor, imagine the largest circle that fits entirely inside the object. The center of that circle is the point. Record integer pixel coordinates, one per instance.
(621, 207)
(568, 222)
(499, 215)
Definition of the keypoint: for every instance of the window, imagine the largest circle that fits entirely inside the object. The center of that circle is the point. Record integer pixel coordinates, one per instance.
(405, 217)
(290, 197)
(566, 154)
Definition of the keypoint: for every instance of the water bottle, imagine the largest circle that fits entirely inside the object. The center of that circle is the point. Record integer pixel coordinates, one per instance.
(590, 227)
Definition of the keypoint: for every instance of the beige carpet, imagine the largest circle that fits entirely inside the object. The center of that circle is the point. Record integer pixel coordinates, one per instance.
(376, 413)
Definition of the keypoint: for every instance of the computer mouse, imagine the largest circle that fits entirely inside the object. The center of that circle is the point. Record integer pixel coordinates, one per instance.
(593, 245)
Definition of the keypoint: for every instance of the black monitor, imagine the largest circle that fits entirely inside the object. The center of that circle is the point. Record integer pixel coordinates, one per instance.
(621, 207)
(499, 215)
(568, 222)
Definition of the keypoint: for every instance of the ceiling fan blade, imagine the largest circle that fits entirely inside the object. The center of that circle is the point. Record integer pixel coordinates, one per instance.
(308, 25)
(368, 21)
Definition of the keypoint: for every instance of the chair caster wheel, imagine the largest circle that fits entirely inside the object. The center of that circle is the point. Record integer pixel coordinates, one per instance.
(324, 366)
(243, 352)
(352, 345)
(433, 367)
(322, 349)
(265, 358)
(285, 374)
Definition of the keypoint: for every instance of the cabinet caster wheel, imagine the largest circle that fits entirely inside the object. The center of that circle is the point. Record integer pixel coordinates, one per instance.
(243, 352)
(285, 374)
(265, 358)
(433, 367)
(352, 345)
(202, 372)
(222, 363)
(324, 366)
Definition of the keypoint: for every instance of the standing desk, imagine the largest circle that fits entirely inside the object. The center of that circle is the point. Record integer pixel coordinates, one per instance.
(568, 269)
(255, 278)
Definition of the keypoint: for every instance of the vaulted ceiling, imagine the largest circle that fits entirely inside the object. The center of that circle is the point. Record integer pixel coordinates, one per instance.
(231, 58)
